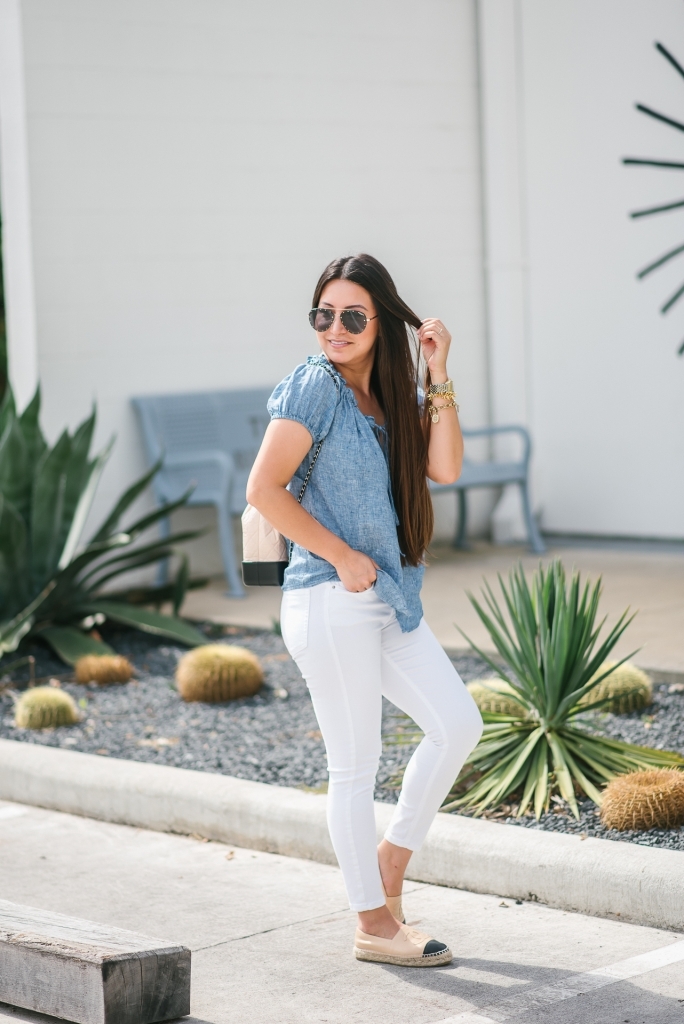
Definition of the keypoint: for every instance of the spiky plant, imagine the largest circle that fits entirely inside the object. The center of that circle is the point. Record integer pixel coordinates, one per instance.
(218, 672)
(548, 641)
(44, 707)
(51, 585)
(627, 688)
(103, 668)
(493, 695)
(643, 800)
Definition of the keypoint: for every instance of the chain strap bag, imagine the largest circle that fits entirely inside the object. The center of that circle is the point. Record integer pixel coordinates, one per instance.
(265, 551)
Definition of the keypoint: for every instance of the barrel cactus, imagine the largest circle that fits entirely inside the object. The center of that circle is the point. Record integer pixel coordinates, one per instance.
(643, 800)
(218, 672)
(629, 688)
(103, 668)
(43, 707)
(492, 695)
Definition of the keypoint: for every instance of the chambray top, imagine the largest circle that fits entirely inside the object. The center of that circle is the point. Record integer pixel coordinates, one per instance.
(349, 491)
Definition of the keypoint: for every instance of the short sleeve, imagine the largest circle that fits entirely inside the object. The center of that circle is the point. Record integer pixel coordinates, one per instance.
(308, 396)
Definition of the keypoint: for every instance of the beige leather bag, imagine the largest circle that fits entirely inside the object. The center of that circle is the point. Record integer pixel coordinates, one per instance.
(261, 542)
(265, 554)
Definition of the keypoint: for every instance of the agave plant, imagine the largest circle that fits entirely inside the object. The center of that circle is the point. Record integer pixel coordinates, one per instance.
(549, 645)
(49, 588)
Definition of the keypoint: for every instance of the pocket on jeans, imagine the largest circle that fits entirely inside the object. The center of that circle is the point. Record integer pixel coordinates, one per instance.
(294, 620)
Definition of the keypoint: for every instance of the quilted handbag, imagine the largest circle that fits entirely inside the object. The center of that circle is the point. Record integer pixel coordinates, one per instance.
(265, 551)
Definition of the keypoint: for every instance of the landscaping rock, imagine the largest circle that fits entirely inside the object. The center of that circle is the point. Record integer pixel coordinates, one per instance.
(273, 737)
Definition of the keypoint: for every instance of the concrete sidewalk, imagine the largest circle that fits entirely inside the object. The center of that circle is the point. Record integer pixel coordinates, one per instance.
(647, 579)
(271, 937)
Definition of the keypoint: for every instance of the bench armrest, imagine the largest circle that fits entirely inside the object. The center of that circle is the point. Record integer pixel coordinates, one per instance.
(506, 429)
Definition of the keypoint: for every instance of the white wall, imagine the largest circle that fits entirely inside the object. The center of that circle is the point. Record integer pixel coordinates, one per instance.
(15, 201)
(607, 403)
(195, 163)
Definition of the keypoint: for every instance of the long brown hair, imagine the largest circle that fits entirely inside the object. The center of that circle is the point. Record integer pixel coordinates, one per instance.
(394, 382)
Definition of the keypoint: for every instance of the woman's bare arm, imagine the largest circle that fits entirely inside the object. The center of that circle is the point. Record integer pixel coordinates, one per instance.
(285, 445)
(445, 452)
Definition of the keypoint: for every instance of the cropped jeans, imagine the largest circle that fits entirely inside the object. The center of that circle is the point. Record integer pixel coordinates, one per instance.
(352, 652)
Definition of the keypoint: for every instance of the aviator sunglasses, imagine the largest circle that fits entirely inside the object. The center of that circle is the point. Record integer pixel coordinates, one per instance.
(353, 320)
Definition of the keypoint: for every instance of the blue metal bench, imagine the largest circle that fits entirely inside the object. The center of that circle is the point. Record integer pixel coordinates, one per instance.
(209, 439)
(494, 474)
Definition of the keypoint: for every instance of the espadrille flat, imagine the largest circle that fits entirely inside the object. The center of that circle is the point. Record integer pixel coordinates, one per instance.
(394, 905)
(408, 948)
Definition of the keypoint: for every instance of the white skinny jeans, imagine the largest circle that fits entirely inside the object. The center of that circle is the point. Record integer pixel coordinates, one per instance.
(351, 651)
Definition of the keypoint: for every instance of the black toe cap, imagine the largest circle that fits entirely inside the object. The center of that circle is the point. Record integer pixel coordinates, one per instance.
(433, 946)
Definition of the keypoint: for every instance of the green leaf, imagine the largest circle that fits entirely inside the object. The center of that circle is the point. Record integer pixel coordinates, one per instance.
(70, 643)
(148, 621)
(15, 469)
(11, 636)
(83, 505)
(133, 557)
(77, 474)
(124, 502)
(538, 765)
(47, 509)
(181, 583)
(14, 560)
(12, 632)
(8, 409)
(30, 428)
(541, 788)
(562, 772)
(160, 512)
(154, 595)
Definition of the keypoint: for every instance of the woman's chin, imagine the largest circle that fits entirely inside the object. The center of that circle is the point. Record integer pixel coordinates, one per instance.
(338, 353)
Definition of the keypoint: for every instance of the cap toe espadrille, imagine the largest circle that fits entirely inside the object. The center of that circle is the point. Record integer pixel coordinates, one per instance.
(408, 948)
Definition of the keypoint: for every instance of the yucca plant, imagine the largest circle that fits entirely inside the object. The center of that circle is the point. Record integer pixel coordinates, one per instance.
(548, 641)
(49, 588)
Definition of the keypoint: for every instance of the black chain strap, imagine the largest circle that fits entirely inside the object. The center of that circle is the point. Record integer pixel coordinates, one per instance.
(316, 454)
(309, 472)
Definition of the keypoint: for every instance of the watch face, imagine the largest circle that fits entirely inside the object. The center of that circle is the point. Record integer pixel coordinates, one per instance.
(668, 123)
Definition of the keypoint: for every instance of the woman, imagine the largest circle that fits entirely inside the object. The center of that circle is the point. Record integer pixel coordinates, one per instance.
(351, 613)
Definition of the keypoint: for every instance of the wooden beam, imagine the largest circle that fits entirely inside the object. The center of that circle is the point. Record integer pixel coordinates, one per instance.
(89, 973)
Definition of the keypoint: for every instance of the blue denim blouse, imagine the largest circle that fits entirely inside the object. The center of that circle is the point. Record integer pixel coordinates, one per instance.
(349, 491)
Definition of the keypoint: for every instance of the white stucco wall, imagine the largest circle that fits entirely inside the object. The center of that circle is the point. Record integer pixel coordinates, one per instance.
(193, 166)
(607, 388)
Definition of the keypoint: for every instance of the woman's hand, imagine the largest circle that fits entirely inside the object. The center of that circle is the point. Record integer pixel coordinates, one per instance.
(356, 571)
(435, 341)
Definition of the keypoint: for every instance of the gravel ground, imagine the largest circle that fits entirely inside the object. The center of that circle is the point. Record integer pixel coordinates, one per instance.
(273, 737)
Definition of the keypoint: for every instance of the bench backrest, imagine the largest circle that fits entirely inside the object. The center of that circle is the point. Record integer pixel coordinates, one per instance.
(198, 422)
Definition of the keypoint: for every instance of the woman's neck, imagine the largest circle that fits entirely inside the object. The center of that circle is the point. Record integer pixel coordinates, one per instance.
(358, 379)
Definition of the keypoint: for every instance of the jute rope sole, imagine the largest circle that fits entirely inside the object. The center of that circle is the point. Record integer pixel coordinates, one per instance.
(430, 960)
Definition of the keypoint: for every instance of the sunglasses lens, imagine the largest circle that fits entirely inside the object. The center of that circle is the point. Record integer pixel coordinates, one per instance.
(321, 319)
(354, 321)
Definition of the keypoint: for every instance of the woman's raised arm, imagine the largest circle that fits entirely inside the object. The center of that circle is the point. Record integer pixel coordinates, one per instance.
(445, 453)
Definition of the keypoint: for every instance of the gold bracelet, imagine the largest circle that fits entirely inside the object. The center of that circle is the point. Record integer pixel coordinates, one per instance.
(449, 404)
